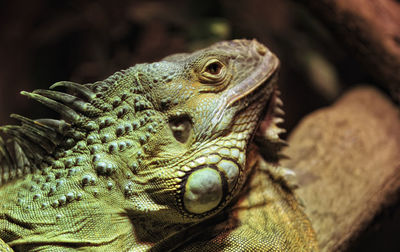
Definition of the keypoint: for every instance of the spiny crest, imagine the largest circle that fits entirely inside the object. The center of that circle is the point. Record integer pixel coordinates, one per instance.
(34, 144)
(268, 135)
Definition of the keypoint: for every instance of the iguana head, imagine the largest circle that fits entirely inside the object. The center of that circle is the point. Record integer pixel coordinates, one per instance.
(169, 138)
(210, 102)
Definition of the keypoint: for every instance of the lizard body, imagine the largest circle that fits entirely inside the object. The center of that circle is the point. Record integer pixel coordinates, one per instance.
(151, 158)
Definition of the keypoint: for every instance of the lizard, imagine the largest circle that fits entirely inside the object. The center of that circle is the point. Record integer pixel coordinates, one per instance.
(176, 155)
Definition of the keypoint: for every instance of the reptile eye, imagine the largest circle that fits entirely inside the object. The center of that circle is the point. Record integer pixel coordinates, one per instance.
(181, 127)
(214, 71)
(214, 68)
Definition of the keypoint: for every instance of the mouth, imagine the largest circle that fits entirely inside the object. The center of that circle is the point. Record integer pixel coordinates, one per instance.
(258, 80)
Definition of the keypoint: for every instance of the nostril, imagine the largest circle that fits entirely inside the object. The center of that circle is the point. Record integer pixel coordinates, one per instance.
(262, 50)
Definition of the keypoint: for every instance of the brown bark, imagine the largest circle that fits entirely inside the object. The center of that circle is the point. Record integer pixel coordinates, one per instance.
(371, 29)
(348, 164)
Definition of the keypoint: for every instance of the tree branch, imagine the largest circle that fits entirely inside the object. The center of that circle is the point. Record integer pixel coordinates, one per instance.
(348, 164)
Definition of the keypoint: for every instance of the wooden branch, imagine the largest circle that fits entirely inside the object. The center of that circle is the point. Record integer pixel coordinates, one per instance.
(348, 164)
(371, 29)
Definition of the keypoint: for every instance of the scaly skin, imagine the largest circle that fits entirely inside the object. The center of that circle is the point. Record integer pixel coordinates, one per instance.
(156, 157)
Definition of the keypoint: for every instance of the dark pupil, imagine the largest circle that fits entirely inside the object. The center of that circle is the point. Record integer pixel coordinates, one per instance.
(214, 68)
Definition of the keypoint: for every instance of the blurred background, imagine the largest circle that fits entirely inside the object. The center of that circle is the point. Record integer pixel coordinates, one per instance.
(84, 41)
(46, 41)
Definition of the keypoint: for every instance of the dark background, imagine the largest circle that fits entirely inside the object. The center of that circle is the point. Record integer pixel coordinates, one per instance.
(46, 41)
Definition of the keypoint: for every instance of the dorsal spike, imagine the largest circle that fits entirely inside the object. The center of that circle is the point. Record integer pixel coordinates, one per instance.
(12, 169)
(30, 145)
(45, 138)
(25, 120)
(57, 96)
(22, 161)
(77, 88)
(32, 151)
(31, 134)
(6, 164)
(278, 111)
(66, 112)
(278, 101)
(18, 156)
(18, 160)
(41, 129)
(72, 101)
(268, 138)
(59, 126)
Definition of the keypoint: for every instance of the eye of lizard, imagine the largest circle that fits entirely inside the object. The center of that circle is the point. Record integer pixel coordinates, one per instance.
(213, 72)
(214, 68)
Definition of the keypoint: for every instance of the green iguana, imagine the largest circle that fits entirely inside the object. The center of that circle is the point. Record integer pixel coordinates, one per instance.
(156, 157)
